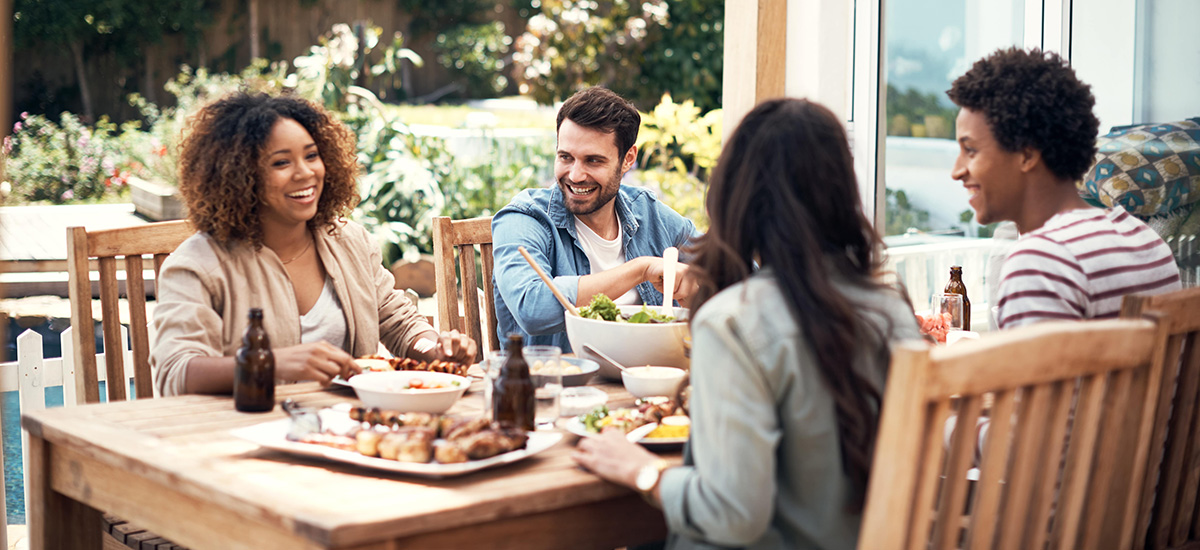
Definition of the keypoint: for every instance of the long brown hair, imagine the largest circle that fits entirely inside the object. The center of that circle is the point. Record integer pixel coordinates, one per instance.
(783, 194)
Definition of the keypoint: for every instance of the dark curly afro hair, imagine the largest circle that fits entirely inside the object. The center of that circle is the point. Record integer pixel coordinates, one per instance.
(220, 173)
(1033, 99)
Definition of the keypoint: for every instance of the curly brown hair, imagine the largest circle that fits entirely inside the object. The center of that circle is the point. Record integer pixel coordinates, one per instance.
(219, 168)
(1032, 98)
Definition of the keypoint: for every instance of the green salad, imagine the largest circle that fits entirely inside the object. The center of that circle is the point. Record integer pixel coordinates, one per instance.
(602, 308)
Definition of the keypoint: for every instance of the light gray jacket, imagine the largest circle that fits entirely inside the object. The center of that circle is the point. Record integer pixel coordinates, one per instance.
(763, 467)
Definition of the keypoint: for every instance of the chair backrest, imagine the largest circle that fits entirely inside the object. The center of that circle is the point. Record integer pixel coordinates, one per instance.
(1067, 431)
(1170, 515)
(462, 236)
(129, 243)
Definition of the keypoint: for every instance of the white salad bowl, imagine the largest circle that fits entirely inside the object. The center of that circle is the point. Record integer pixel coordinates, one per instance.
(387, 390)
(631, 344)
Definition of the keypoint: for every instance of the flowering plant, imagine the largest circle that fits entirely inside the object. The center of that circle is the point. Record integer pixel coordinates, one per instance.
(64, 161)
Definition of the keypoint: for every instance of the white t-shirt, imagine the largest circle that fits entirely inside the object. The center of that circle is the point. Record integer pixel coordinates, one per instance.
(605, 255)
(326, 320)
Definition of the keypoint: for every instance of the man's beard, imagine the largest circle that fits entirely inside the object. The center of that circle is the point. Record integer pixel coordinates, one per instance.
(602, 196)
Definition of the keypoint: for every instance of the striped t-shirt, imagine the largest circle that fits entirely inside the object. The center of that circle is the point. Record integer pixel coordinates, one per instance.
(1079, 265)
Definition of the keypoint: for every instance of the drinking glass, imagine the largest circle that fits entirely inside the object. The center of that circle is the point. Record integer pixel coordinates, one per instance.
(545, 367)
(491, 370)
(948, 303)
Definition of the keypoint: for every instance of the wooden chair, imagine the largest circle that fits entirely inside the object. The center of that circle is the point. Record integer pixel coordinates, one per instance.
(1069, 429)
(106, 246)
(462, 236)
(1169, 516)
(130, 243)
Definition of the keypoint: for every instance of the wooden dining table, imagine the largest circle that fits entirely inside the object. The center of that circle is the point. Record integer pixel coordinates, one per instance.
(171, 466)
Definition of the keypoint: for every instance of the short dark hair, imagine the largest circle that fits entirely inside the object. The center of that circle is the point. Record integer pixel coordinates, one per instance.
(219, 173)
(1032, 98)
(602, 109)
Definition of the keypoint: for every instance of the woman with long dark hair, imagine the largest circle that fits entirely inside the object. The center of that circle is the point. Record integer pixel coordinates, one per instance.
(791, 340)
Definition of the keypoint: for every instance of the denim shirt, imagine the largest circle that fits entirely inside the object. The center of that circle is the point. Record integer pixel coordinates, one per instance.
(538, 220)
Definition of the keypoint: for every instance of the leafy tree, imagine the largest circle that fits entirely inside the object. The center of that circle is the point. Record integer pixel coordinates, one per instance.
(686, 58)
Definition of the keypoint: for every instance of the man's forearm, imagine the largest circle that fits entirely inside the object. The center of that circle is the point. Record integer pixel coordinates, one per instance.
(614, 282)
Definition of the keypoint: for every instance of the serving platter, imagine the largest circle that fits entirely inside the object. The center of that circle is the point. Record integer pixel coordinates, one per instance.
(576, 426)
(273, 435)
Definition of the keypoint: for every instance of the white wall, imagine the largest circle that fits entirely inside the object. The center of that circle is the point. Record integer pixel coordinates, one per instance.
(1171, 85)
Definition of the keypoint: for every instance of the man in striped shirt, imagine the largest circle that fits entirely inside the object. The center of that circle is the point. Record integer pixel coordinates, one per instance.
(1026, 133)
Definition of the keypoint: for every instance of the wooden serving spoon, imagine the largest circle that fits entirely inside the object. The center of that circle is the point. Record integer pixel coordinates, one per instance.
(546, 279)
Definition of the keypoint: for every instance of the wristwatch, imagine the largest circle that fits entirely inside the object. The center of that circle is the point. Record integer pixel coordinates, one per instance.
(648, 477)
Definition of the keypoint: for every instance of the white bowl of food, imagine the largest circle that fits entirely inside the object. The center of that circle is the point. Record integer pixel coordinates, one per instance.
(631, 344)
(650, 381)
(409, 391)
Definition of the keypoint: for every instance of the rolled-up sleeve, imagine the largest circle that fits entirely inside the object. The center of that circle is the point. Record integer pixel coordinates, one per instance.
(720, 499)
(186, 324)
(531, 302)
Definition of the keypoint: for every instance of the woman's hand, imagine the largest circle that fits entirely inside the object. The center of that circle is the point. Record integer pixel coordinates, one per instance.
(319, 361)
(612, 457)
(449, 346)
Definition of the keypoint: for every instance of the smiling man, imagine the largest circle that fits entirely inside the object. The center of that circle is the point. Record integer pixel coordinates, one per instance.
(588, 232)
(1026, 133)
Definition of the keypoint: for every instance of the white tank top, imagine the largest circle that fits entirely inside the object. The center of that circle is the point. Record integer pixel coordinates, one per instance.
(605, 255)
(326, 320)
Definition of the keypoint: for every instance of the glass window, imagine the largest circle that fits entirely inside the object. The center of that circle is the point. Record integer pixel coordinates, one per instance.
(929, 44)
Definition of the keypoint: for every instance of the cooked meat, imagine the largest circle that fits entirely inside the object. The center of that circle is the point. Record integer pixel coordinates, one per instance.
(367, 442)
(489, 443)
(343, 442)
(466, 428)
(416, 444)
(448, 452)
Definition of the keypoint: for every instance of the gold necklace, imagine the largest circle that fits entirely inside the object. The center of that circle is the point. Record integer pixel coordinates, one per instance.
(297, 257)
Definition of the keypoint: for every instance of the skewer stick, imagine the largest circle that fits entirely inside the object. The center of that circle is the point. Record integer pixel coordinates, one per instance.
(561, 299)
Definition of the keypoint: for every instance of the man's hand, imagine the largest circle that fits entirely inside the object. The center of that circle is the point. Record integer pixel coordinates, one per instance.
(685, 284)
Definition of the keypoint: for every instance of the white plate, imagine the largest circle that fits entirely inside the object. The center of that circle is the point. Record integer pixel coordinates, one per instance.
(575, 426)
(273, 435)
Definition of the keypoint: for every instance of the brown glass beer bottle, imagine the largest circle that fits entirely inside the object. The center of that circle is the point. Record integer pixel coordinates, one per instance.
(513, 403)
(254, 375)
(956, 286)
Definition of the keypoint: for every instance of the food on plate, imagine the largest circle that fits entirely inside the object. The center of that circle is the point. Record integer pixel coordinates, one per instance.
(604, 309)
(935, 325)
(673, 421)
(543, 367)
(378, 363)
(414, 437)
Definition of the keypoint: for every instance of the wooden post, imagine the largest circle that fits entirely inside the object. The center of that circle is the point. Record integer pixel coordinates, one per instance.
(6, 44)
(755, 56)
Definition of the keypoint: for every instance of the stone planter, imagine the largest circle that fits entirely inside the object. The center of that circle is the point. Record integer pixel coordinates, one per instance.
(155, 201)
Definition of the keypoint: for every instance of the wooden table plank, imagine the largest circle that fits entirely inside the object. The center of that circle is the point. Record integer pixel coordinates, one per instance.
(172, 467)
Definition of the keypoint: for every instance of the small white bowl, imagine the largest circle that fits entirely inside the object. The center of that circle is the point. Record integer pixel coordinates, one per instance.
(386, 390)
(650, 381)
(580, 400)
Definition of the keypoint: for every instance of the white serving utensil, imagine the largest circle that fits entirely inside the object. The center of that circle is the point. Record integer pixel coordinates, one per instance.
(639, 432)
(670, 257)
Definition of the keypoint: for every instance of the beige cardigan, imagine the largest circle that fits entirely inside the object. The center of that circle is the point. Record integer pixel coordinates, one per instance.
(205, 292)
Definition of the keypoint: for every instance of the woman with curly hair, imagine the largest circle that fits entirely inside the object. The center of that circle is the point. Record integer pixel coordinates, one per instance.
(267, 181)
(791, 335)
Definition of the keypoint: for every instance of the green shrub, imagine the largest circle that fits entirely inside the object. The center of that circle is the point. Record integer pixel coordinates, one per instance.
(477, 52)
(677, 148)
(62, 162)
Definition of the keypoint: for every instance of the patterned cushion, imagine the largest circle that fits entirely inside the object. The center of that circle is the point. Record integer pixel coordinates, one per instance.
(1148, 170)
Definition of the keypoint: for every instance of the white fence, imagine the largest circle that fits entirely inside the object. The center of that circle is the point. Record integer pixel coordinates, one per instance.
(31, 374)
